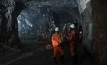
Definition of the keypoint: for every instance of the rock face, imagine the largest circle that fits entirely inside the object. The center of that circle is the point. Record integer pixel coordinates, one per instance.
(99, 34)
(85, 11)
(99, 30)
(94, 28)
(34, 23)
(6, 7)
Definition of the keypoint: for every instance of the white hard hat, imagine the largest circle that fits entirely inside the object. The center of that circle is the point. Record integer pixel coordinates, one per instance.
(56, 29)
(80, 32)
(72, 26)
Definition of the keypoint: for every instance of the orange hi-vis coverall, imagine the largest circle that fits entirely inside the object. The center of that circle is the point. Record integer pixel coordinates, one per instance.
(72, 38)
(56, 39)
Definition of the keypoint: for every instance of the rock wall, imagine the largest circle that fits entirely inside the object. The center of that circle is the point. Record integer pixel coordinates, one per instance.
(8, 20)
(93, 18)
(86, 22)
(7, 7)
(99, 31)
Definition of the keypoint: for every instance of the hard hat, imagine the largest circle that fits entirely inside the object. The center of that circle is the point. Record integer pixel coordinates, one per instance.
(56, 29)
(80, 32)
(72, 26)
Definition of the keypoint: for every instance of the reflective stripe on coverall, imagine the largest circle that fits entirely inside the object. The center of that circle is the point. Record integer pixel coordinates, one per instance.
(56, 38)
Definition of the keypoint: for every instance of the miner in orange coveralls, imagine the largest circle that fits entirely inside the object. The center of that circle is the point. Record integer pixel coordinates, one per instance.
(56, 42)
(72, 38)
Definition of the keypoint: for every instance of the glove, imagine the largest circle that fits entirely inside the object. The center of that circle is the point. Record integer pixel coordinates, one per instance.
(58, 44)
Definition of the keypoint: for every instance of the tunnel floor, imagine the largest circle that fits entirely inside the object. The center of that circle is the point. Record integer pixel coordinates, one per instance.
(38, 54)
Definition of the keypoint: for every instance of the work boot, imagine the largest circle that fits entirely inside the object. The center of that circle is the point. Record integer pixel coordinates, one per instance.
(62, 59)
(55, 60)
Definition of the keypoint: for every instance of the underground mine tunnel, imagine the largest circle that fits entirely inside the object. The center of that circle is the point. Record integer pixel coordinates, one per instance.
(26, 28)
